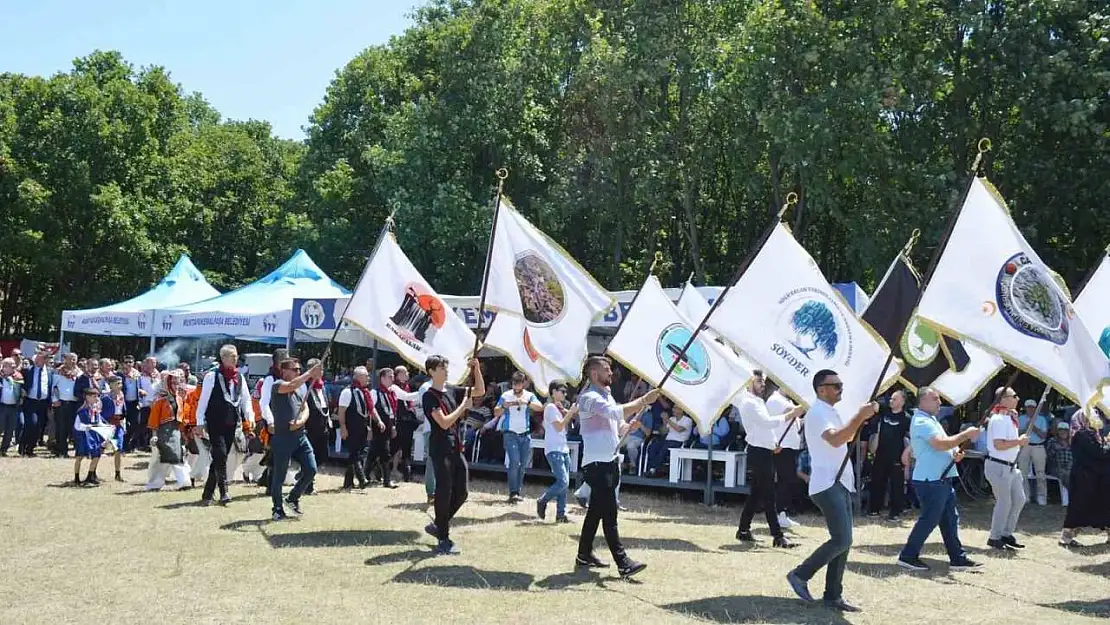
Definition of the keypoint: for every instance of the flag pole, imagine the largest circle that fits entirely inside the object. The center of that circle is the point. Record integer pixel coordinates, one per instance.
(387, 227)
(983, 146)
(791, 199)
(650, 272)
(501, 175)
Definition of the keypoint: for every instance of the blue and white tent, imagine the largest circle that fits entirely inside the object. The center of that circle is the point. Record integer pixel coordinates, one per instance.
(258, 311)
(183, 285)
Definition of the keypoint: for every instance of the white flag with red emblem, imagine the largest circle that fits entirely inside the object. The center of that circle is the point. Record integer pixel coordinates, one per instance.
(395, 304)
(992, 288)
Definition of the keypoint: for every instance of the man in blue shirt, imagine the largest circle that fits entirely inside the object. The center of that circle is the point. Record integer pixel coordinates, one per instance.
(936, 455)
(1034, 455)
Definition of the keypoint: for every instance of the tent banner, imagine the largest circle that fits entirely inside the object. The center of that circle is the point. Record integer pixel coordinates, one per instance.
(261, 325)
(112, 323)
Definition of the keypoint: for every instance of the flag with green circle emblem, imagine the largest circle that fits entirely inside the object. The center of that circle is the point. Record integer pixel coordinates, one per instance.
(925, 353)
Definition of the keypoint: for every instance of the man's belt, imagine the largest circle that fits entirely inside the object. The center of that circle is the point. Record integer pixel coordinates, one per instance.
(1009, 464)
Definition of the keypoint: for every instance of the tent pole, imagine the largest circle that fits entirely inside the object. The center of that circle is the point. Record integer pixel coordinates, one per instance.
(196, 357)
(152, 344)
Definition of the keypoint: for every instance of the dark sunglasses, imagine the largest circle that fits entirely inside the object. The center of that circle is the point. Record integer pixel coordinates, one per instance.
(837, 385)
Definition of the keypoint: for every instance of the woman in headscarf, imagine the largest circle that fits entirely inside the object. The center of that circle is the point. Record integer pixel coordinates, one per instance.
(166, 422)
(1090, 479)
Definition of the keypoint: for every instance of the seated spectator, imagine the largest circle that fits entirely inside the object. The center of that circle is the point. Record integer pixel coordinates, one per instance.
(721, 434)
(1059, 459)
(678, 427)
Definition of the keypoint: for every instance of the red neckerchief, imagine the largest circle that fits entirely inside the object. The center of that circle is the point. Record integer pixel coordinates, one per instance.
(317, 384)
(391, 398)
(230, 375)
(1000, 409)
(365, 390)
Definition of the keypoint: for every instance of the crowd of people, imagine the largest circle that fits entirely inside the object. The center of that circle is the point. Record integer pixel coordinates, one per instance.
(221, 428)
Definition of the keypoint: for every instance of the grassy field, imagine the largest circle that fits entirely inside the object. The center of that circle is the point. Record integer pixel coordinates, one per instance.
(114, 554)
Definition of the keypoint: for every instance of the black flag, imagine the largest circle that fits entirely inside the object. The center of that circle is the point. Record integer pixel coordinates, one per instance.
(925, 353)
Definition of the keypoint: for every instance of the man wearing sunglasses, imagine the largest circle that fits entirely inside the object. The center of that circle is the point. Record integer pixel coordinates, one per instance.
(828, 435)
(290, 442)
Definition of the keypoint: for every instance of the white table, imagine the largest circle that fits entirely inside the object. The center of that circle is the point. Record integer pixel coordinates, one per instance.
(736, 464)
(540, 443)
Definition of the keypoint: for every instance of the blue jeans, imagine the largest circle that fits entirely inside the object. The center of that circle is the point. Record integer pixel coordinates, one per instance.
(659, 451)
(560, 466)
(286, 447)
(836, 505)
(518, 446)
(429, 472)
(938, 506)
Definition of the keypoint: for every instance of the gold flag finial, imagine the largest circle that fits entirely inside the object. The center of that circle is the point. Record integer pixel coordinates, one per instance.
(655, 261)
(983, 147)
(791, 200)
(914, 236)
(389, 221)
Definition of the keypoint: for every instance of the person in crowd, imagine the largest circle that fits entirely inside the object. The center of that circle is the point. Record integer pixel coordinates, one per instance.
(11, 393)
(424, 428)
(886, 442)
(196, 454)
(789, 438)
(556, 418)
(513, 411)
(719, 435)
(290, 411)
(383, 428)
(678, 427)
(445, 447)
(1034, 455)
(1003, 444)
(166, 423)
(762, 428)
(38, 380)
(827, 437)
(1090, 479)
(224, 404)
(636, 441)
(407, 423)
(149, 379)
(604, 421)
(356, 408)
(17, 357)
(113, 409)
(319, 420)
(106, 370)
(68, 392)
(88, 443)
(937, 454)
(1058, 449)
(131, 395)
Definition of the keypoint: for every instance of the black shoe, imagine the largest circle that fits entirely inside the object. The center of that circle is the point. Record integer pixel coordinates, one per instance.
(279, 515)
(562, 519)
(446, 548)
(589, 561)
(873, 514)
(1011, 541)
(431, 530)
(90, 480)
(631, 568)
(119, 478)
(391, 485)
(515, 498)
(784, 543)
(999, 544)
(745, 536)
(294, 505)
(583, 502)
(964, 564)
(225, 500)
(799, 586)
(913, 564)
(840, 605)
(541, 509)
(205, 502)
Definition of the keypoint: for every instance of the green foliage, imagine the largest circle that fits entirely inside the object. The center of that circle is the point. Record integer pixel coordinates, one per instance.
(628, 127)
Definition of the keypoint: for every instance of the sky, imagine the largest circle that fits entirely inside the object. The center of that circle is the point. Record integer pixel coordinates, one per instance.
(250, 59)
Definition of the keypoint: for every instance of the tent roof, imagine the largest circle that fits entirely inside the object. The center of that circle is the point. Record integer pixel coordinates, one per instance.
(184, 284)
(297, 277)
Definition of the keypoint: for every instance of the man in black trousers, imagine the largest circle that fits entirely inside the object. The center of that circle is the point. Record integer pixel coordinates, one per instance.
(38, 379)
(356, 405)
(888, 437)
(224, 405)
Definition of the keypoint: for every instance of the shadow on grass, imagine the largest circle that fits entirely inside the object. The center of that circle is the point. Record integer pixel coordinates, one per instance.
(408, 557)
(508, 516)
(1102, 569)
(246, 524)
(465, 577)
(884, 570)
(142, 465)
(1100, 607)
(67, 484)
(741, 547)
(937, 549)
(662, 544)
(343, 538)
(577, 577)
(414, 507)
(1090, 550)
(756, 609)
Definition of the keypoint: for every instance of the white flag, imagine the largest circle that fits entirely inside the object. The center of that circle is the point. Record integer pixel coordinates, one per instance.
(991, 287)
(693, 305)
(960, 387)
(545, 302)
(784, 315)
(1093, 305)
(396, 305)
(650, 339)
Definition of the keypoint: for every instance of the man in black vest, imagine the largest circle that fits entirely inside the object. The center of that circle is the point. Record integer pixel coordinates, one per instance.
(355, 407)
(225, 403)
(407, 423)
(384, 428)
(290, 413)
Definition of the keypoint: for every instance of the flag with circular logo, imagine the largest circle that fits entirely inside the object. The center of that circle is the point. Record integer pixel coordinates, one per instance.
(651, 340)
(1093, 305)
(991, 287)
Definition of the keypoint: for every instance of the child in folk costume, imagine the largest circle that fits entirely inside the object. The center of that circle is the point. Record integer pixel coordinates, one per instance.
(88, 442)
(166, 423)
(113, 409)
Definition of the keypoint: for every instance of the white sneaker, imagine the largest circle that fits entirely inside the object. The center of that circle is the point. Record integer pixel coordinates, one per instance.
(786, 522)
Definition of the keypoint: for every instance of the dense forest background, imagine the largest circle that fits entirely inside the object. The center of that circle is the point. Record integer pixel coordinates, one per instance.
(629, 126)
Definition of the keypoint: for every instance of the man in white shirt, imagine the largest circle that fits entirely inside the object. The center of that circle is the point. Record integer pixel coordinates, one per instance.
(514, 410)
(149, 382)
(604, 421)
(786, 458)
(223, 408)
(761, 428)
(1004, 443)
(10, 395)
(828, 435)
